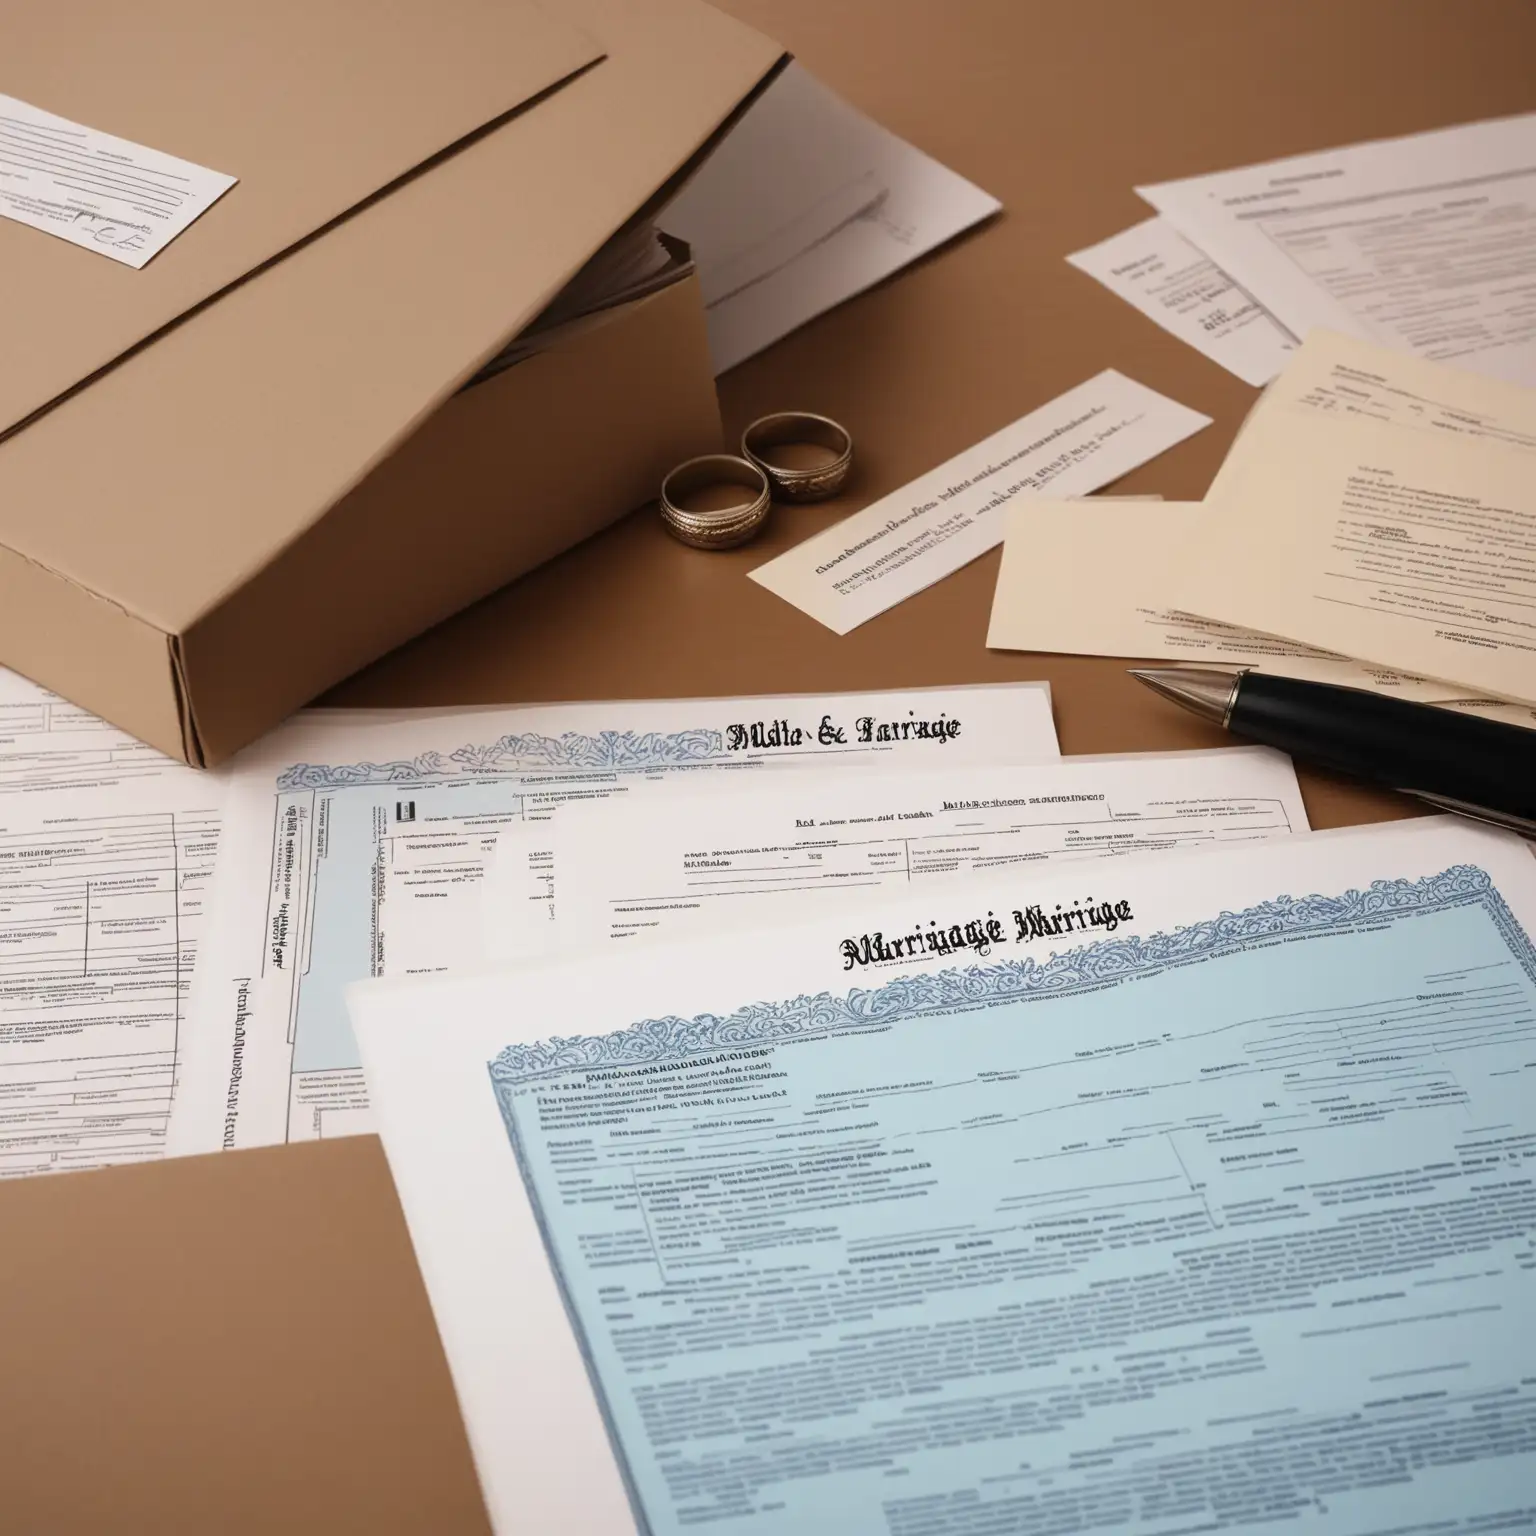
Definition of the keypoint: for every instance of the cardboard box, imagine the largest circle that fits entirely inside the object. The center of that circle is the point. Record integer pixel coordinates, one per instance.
(235, 475)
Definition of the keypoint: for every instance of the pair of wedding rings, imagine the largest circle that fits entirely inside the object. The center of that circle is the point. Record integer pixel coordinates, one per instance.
(759, 472)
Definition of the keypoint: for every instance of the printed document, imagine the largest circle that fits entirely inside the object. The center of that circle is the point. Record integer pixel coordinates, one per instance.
(107, 194)
(1338, 378)
(805, 203)
(1426, 244)
(48, 744)
(318, 809)
(1163, 1194)
(1400, 548)
(106, 852)
(1106, 590)
(846, 574)
(1405, 495)
(1180, 288)
(746, 860)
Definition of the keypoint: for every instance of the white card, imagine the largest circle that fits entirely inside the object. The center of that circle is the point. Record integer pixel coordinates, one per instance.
(908, 540)
(92, 189)
(1153, 267)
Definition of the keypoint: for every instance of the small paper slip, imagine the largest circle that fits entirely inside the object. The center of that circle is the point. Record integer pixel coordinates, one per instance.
(1174, 283)
(908, 540)
(92, 189)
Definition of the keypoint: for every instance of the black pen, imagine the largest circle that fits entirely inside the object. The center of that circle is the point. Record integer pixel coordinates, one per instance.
(1462, 763)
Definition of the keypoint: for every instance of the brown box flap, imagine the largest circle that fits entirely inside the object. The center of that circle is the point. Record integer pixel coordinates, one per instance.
(173, 477)
(314, 105)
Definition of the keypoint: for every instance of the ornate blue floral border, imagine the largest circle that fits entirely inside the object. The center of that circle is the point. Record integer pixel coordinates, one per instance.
(1077, 970)
(519, 753)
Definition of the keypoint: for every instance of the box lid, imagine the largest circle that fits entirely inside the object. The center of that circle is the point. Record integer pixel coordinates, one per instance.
(140, 504)
(314, 105)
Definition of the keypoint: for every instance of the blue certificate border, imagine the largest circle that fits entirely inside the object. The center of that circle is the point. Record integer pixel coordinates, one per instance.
(1090, 967)
(518, 753)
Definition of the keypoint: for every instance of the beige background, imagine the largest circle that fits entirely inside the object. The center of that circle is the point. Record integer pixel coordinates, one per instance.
(242, 1344)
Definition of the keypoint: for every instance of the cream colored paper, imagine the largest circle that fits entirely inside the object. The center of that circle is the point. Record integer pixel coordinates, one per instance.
(1412, 549)
(1104, 591)
(1342, 379)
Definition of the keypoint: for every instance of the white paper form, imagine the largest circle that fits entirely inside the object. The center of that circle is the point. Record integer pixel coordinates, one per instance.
(106, 852)
(47, 744)
(107, 194)
(808, 843)
(805, 204)
(1425, 243)
(1222, 1211)
(848, 573)
(1177, 286)
(317, 810)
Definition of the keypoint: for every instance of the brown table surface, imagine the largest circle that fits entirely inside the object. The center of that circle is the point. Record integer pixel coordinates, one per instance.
(242, 1343)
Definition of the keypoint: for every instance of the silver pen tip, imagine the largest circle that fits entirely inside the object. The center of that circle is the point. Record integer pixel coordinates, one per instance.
(1204, 691)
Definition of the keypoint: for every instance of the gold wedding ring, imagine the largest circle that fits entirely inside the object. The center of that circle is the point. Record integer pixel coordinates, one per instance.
(813, 458)
(721, 527)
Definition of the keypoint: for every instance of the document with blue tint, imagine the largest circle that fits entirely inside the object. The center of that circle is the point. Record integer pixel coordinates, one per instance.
(319, 811)
(1165, 1195)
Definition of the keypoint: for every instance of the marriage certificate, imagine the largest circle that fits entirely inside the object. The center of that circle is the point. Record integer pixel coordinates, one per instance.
(1176, 1194)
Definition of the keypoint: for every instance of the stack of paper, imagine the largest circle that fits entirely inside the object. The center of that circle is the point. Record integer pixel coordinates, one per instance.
(813, 1108)
(149, 1002)
(635, 262)
(1374, 526)
(1425, 244)
(356, 848)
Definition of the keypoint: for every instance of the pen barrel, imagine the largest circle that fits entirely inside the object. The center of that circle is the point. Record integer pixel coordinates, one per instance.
(1414, 747)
